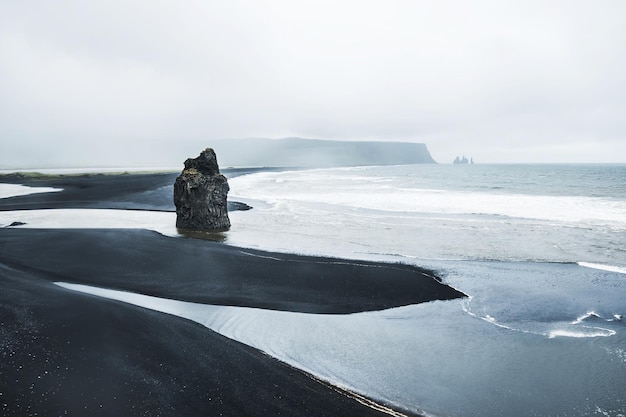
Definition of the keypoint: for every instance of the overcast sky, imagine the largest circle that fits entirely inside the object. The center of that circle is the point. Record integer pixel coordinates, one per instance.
(502, 81)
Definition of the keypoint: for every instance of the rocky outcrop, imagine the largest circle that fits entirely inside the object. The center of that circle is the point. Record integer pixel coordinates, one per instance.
(463, 160)
(200, 195)
(16, 224)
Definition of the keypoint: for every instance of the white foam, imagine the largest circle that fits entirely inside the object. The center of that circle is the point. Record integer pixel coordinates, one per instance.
(585, 316)
(162, 222)
(348, 188)
(540, 328)
(346, 213)
(488, 318)
(589, 332)
(609, 268)
(14, 190)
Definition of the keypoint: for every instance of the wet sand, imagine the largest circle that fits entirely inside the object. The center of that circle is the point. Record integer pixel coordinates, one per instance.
(64, 351)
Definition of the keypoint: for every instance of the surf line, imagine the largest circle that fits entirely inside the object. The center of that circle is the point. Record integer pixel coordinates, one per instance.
(177, 308)
(608, 268)
(553, 333)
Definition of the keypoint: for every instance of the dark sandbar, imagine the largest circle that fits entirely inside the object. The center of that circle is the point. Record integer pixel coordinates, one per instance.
(64, 353)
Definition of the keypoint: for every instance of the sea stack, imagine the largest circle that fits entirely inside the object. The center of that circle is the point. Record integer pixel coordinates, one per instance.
(200, 193)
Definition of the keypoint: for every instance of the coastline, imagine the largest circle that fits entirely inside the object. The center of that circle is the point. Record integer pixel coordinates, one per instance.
(65, 352)
(74, 352)
(203, 271)
(128, 191)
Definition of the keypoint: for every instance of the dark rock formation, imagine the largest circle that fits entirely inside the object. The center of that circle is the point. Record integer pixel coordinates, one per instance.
(463, 160)
(16, 224)
(200, 195)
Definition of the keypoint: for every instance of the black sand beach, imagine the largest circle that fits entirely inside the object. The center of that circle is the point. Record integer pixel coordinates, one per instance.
(137, 191)
(68, 353)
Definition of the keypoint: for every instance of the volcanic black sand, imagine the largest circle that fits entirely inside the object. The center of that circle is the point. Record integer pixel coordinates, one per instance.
(140, 191)
(68, 353)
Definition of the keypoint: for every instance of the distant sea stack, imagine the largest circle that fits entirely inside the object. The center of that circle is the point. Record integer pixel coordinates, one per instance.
(463, 160)
(200, 195)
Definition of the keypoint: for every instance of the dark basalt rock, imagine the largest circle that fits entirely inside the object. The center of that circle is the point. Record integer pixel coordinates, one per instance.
(238, 206)
(200, 195)
(16, 224)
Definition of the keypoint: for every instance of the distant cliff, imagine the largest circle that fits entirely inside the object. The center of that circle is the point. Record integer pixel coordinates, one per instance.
(298, 152)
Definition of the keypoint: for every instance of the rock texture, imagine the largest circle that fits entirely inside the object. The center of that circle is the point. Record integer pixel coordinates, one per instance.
(200, 195)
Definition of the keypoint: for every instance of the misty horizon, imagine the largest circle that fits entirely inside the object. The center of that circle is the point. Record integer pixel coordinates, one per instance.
(231, 154)
(123, 84)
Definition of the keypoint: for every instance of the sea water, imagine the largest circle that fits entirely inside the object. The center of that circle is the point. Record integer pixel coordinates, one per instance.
(538, 249)
(546, 213)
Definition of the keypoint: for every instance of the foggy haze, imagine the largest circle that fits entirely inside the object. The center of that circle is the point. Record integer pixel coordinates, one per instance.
(154, 82)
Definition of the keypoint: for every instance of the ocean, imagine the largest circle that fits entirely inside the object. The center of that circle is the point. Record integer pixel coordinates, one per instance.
(543, 213)
(540, 250)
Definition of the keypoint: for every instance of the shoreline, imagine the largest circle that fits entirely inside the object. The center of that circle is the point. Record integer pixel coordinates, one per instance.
(131, 191)
(79, 353)
(65, 352)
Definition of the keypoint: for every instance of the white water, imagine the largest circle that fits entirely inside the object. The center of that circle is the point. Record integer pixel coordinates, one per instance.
(609, 268)
(14, 190)
(162, 222)
(350, 188)
(392, 212)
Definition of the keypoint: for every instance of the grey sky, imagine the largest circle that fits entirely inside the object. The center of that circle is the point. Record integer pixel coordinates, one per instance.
(502, 81)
